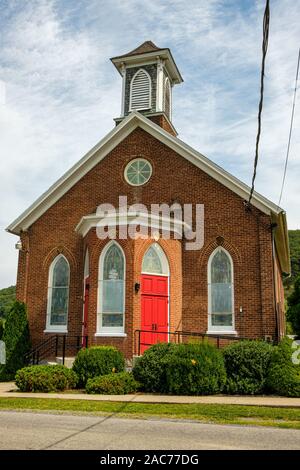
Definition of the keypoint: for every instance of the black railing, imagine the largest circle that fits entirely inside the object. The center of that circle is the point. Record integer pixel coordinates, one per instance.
(56, 346)
(177, 337)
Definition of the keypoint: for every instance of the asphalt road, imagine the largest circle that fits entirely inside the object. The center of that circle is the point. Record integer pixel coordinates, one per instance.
(27, 430)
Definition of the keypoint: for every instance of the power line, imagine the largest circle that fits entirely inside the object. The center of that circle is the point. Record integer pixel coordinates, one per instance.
(265, 41)
(291, 129)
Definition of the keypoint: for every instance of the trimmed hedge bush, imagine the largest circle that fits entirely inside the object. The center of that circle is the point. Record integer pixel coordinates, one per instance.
(247, 364)
(194, 369)
(113, 384)
(16, 339)
(284, 376)
(149, 370)
(181, 369)
(97, 360)
(52, 378)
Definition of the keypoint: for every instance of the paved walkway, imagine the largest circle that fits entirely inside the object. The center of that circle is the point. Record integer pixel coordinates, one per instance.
(8, 389)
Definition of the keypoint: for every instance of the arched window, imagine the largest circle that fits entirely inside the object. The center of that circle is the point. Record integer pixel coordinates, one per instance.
(58, 294)
(220, 291)
(111, 305)
(140, 91)
(155, 261)
(167, 97)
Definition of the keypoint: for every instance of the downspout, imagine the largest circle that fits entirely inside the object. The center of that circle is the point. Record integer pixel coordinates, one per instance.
(273, 226)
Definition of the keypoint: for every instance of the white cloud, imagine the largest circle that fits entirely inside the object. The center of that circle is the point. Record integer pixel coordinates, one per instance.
(61, 91)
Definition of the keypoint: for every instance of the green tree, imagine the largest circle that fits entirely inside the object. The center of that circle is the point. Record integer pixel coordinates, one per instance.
(16, 339)
(1, 327)
(7, 298)
(293, 311)
(294, 242)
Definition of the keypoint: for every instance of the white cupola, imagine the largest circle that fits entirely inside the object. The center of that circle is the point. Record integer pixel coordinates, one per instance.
(149, 74)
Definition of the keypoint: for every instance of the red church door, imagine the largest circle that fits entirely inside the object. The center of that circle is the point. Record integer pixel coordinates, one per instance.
(154, 324)
(85, 311)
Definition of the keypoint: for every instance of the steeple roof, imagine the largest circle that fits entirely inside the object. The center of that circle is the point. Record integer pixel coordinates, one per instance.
(145, 52)
(147, 46)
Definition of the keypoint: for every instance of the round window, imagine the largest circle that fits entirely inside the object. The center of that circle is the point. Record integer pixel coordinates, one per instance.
(138, 172)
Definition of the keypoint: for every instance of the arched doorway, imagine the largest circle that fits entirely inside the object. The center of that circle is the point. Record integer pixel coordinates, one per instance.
(154, 297)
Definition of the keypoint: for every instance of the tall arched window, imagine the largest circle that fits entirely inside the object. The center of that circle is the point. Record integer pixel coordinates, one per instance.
(111, 304)
(167, 97)
(58, 294)
(220, 291)
(140, 91)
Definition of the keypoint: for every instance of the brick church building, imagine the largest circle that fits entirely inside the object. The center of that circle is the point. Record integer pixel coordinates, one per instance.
(76, 283)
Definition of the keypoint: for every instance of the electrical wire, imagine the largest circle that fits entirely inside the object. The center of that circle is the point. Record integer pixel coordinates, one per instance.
(266, 23)
(290, 132)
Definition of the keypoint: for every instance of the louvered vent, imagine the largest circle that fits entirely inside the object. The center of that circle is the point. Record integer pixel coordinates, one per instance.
(140, 91)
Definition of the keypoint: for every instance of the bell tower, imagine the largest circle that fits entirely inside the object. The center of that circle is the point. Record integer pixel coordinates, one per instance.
(148, 76)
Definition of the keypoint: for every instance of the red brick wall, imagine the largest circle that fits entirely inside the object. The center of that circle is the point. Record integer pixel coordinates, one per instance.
(246, 235)
(162, 121)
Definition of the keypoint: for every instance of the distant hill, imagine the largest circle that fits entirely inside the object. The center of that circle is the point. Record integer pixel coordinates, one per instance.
(7, 296)
(294, 239)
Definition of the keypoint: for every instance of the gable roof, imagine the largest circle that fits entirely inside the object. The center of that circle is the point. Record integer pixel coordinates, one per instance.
(112, 139)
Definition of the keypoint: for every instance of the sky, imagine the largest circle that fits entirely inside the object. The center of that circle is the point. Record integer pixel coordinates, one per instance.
(59, 92)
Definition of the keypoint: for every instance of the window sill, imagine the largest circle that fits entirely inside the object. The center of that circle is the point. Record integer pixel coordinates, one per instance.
(56, 331)
(116, 335)
(223, 332)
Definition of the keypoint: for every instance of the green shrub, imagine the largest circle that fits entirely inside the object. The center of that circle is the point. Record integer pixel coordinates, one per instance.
(194, 369)
(283, 375)
(97, 360)
(149, 370)
(112, 384)
(16, 339)
(185, 369)
(247, 364)
(45, 378)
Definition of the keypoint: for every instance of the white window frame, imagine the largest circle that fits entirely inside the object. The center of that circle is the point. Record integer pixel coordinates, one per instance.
(167, 83)
(214, 329)
(130, 163)
(163, 259)
(150, 91)
(112, 330)
(55, 328)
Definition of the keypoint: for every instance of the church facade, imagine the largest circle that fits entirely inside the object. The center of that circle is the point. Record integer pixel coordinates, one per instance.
(84, 271)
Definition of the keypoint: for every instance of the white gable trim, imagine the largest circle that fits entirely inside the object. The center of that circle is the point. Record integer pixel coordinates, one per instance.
(107, 144)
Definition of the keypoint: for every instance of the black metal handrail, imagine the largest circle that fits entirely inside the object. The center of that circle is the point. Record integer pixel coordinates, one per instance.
(39, 352)
(178, 335)
(55, 345)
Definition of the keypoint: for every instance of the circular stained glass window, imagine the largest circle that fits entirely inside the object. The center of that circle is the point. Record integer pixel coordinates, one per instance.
(138, 172)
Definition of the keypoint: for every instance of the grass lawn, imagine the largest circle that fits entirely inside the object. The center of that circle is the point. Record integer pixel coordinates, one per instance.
(222, 414)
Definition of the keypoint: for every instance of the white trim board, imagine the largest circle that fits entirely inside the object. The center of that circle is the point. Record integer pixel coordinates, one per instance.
(107, 144)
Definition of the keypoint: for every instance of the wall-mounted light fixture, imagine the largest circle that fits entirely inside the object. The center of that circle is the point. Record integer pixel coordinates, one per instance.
(137, 287)
(19, 246)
